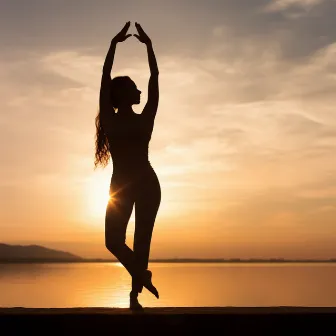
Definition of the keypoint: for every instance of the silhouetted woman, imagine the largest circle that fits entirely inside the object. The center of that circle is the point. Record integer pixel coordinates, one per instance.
(125, 136)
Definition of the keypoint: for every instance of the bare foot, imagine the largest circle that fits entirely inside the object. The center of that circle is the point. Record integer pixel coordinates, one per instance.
(147, 282)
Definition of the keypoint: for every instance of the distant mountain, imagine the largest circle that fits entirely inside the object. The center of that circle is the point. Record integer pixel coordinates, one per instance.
(12, 253)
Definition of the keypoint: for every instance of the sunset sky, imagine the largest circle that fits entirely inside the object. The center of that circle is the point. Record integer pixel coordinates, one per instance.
(244, 143)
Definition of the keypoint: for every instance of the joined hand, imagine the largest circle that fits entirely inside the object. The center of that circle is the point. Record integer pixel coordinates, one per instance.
(141, 36)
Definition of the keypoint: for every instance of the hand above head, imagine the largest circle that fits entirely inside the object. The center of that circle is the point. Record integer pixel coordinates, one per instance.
(141, 36)
(121, 36)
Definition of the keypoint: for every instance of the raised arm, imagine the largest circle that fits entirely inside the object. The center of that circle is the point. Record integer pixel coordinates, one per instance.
(104, 97)
(151, 106)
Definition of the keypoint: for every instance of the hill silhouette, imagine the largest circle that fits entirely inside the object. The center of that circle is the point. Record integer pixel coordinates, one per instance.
(12, 253)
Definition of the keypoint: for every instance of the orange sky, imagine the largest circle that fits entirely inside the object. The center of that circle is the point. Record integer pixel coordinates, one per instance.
(245, 136)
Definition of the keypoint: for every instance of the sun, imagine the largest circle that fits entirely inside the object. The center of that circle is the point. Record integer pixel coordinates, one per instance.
(98, 193)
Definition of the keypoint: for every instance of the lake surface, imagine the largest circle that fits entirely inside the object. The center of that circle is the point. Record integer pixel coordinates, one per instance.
(179, 285)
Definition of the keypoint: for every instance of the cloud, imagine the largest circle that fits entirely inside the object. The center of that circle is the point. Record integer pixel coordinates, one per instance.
(230, 113)
(245, 131)
(281, 5)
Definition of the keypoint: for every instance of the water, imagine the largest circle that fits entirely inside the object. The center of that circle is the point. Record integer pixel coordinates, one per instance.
(179, 285)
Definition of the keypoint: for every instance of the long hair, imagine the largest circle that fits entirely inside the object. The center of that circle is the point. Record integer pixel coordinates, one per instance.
(102, 154)
(118, 86)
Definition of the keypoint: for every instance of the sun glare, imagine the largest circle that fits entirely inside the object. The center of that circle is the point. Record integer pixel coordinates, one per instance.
(98, 193)
(97, 197)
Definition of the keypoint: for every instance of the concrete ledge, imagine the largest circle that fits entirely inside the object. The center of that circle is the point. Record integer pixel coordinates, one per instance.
(169, 310)
(210, 320)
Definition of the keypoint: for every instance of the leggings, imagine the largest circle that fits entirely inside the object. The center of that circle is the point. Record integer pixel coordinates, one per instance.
(141, 189)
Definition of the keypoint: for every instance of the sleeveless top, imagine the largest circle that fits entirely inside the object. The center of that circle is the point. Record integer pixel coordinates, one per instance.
(128, 138)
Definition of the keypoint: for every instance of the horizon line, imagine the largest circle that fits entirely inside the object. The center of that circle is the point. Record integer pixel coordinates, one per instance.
(168, 260)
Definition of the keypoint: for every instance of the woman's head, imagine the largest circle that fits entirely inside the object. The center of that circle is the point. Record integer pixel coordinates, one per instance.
(124, 92)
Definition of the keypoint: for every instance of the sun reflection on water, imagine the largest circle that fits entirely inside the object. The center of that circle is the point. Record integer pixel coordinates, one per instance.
(109, 284)
(113, 290)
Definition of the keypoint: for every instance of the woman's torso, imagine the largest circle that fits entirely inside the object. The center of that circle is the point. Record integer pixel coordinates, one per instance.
(129, 138)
